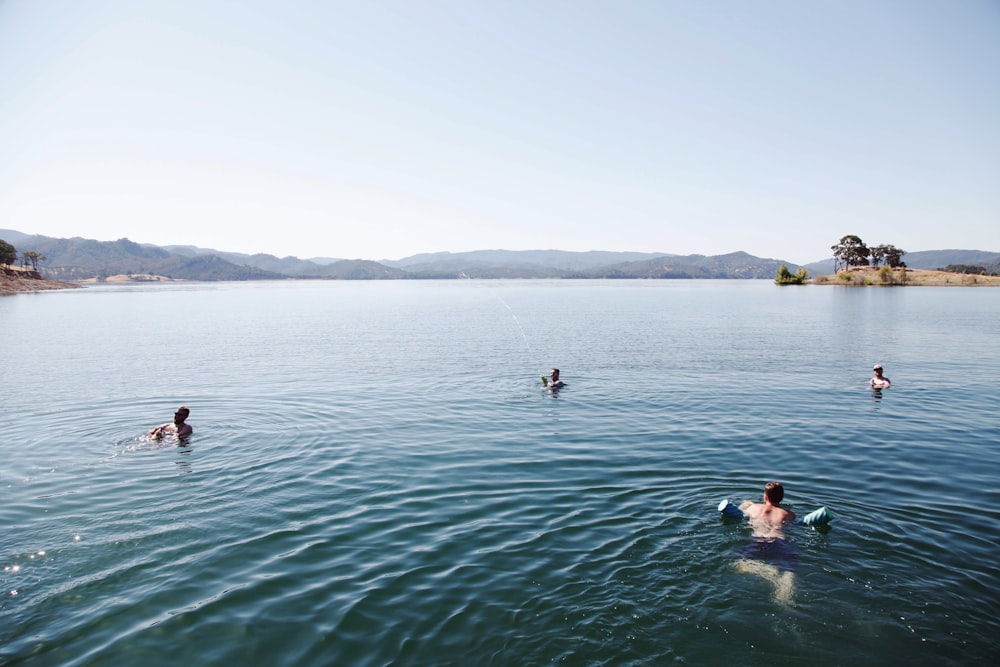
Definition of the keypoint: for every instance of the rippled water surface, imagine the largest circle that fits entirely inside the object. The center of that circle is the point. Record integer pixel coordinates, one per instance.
(377, 478)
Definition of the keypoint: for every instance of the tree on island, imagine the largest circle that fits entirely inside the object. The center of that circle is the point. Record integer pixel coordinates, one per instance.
(33, 258)
(786, 277)
(8, 253)
(889, 255)
(969, 269)
(850, 251)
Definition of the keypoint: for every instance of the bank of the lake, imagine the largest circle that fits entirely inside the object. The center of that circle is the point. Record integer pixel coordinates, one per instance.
(127, 278)
(866, 276)
(14, 280)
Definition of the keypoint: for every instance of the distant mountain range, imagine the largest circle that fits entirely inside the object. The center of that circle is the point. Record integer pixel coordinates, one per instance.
(79, 259)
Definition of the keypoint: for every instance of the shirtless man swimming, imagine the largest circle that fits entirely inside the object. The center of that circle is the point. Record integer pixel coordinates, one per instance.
(769, 555)
(178, 427)
(768, 518)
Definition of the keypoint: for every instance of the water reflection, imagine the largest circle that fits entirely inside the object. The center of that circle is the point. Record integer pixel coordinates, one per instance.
(184, 449)
(877, 394)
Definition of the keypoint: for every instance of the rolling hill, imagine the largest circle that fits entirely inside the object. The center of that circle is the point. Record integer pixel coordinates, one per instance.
(79, 259)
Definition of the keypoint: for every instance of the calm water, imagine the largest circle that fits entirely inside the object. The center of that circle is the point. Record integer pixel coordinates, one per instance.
(377, 478)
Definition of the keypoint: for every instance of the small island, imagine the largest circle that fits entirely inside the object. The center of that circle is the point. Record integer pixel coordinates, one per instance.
(870, 276)
(855, 264)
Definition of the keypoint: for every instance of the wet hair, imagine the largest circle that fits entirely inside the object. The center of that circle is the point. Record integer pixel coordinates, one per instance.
(774, 492)
(182, 411)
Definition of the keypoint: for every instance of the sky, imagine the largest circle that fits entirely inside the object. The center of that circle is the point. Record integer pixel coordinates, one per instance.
(383, 129)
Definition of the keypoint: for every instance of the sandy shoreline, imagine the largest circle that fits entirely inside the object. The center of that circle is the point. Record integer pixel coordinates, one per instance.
(866, 276)
(130, 278)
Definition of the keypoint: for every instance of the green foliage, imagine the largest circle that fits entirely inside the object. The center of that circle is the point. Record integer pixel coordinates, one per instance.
(885, 274)
(8, 253)
(850, 251)
(888, 255)
(785, 277)
(966, 268)
(32, 257)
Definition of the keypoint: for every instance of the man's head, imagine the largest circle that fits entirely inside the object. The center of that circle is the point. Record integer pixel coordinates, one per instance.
(181, 415)
(877, 369)
(774, 492)
(555, 374)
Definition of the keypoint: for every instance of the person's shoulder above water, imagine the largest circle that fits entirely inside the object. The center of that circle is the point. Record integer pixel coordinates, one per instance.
(769, 517)
(879, 381)
(769, 513)
(553, 381)
(178, 427)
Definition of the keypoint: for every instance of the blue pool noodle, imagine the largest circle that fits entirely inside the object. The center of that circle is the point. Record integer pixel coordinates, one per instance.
(820, 517)
(729, 508)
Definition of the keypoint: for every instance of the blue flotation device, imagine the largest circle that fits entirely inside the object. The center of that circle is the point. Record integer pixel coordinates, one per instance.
(820, 517)
(728, 508)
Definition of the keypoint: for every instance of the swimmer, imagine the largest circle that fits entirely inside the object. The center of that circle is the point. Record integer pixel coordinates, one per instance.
(770, 556)
(768, 518)
(177, 427)
(554, 382)
(879, 381)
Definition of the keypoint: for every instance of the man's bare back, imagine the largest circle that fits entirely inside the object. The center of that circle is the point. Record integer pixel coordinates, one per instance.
(768, 518)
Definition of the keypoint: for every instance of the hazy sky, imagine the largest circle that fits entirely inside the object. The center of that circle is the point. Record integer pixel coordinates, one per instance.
(381, 129)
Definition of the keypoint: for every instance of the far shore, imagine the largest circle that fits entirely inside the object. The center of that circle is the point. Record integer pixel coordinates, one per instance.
(130, 278)
(867, 276)
(14, 280)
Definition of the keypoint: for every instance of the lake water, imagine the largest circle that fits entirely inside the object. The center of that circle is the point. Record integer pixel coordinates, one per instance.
(377, 478)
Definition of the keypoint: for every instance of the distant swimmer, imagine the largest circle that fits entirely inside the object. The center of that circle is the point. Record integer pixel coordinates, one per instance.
(178, 427)
(553, 381)
(879, 381)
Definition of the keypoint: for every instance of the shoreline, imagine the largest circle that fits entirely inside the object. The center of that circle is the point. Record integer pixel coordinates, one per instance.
(130, 278)
(15, 280)
(867, 276)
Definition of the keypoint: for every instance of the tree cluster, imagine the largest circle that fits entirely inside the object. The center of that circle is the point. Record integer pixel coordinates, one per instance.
(786, 277)
(8, 253)
(32, 257)
(8, 256)
(971, 269)
(852, 251)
